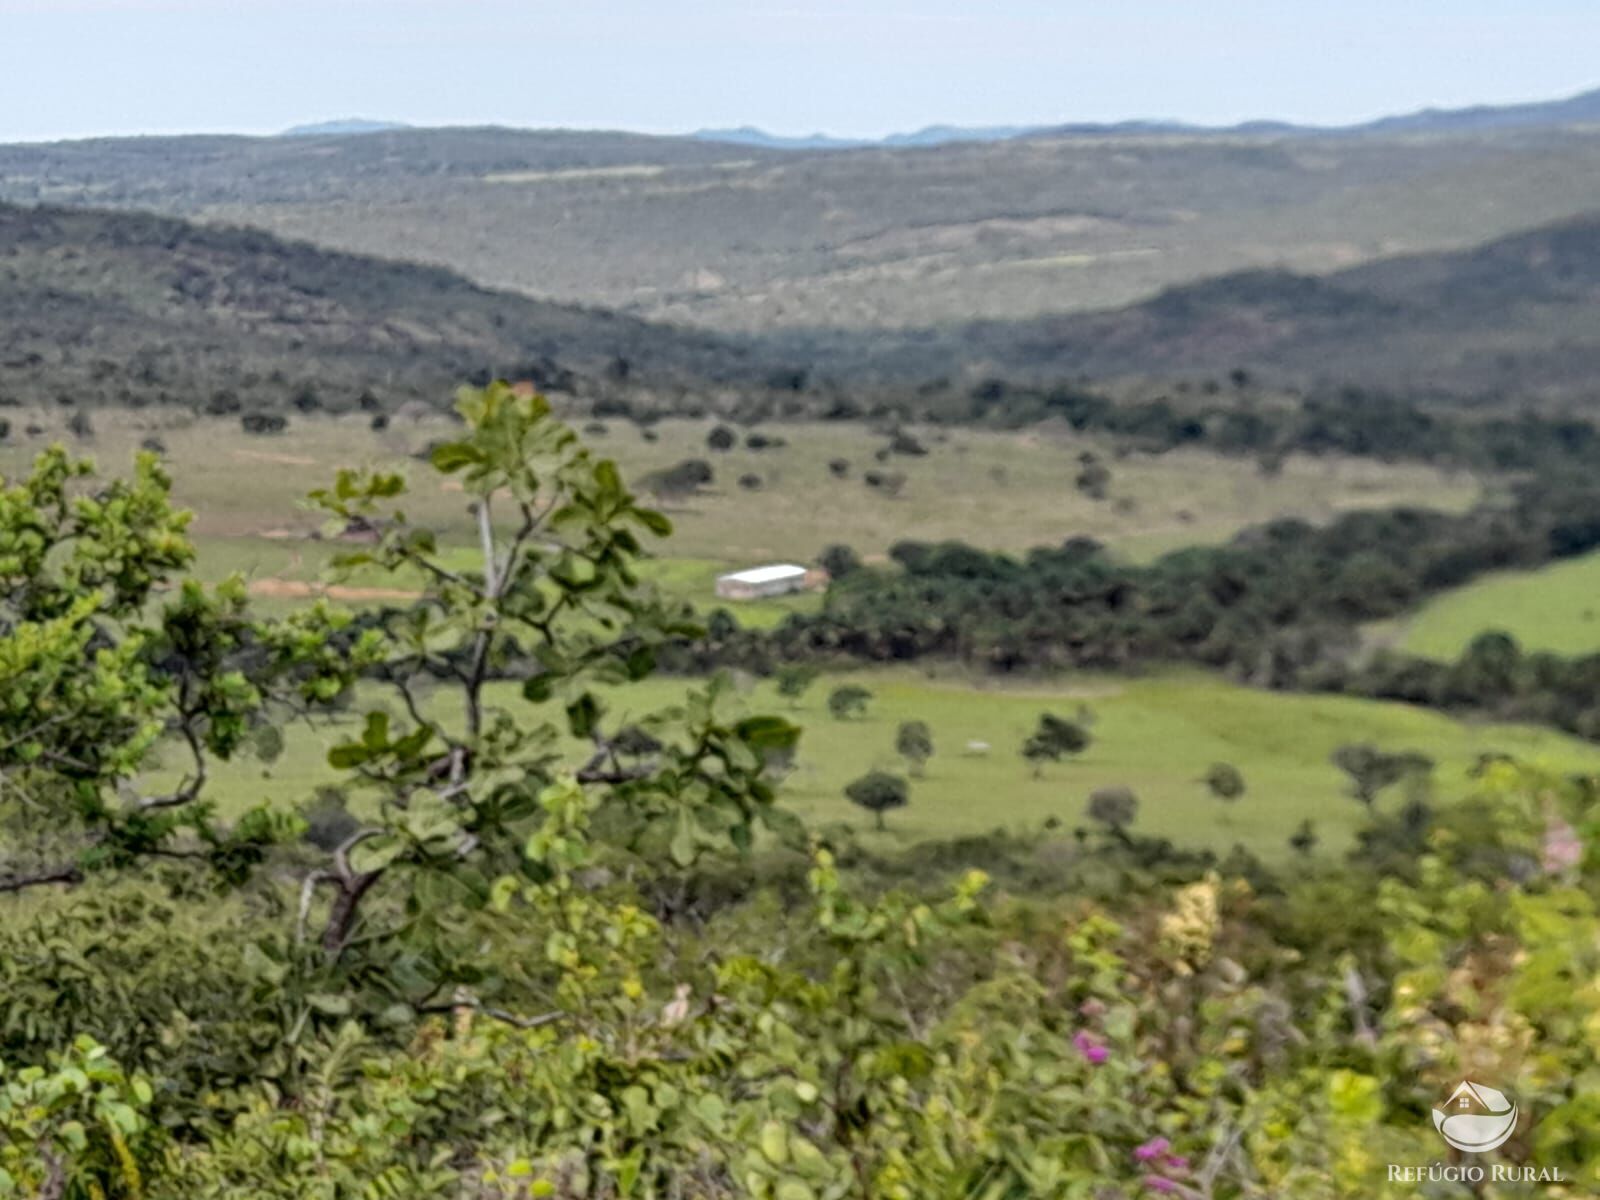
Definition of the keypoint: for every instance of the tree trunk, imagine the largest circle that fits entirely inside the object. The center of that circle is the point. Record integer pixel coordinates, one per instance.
(342, 916)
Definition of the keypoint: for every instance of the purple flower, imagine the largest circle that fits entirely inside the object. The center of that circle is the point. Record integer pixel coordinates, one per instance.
(1154, 1148)
(1159, 1183)
(1090, 1048)
(1177, 1164)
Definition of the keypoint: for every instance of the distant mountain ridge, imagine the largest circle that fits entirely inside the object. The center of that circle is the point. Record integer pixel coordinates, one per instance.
(1581, 109)
(343, 127)
(932, 135)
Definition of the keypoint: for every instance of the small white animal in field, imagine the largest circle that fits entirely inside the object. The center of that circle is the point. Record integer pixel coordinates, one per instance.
(977, 749)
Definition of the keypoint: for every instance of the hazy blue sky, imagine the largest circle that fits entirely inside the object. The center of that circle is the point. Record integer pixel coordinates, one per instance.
(76, 67)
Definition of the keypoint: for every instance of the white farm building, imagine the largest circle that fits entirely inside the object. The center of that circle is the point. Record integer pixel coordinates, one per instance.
(776, 580)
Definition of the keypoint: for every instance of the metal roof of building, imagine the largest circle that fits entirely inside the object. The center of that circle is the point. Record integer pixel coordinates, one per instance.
(768, 574)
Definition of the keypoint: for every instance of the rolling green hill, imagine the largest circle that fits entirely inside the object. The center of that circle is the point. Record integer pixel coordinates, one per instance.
(1556, 608)
(1156, 735)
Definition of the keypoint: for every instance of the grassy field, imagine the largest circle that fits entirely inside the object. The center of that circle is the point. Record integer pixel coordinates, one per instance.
(1002, 490)
(1156, 735)
(1556, 608)
(994, 489)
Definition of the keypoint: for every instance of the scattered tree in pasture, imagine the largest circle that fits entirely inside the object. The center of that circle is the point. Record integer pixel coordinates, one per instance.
(750, 481)
(263, 422)
(878, 792)
(848, 700)
(794, 680)
(1094, 477)
(683, 479)
(890, 483)
(722, 437)
(1114, 807)
(1052, 740)
(839, 561)
(913, 742)
(1225, 781)
(1372, 770)
(901, 442)
(839, 467)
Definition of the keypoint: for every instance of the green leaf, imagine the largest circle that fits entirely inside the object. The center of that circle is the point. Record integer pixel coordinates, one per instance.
(655, 522)
(682, 846)
(452, 456)
(351, 754)
(1355, 1098)
(374, 854)
(583, 714)
(775, 1143)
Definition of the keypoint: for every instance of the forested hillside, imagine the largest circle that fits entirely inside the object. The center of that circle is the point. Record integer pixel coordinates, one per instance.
(132, 309)
(122, 308)
(1513, 319)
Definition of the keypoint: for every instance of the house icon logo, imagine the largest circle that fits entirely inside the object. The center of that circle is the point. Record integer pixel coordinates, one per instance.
(1476, 1118)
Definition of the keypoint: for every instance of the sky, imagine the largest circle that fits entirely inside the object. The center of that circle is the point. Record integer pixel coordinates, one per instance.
(75, 68)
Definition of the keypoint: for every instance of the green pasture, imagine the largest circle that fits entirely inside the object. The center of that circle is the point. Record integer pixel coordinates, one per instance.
(1555, 608)
(1156, 735)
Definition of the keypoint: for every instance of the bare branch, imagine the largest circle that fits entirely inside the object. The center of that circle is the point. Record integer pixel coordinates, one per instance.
(499, 1014)
(66, 874)
(308, 889)
(486, 537)
(189, 790)
(341, 853)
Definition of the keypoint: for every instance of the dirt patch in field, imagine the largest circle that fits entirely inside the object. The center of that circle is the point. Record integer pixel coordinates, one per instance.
(300, 589)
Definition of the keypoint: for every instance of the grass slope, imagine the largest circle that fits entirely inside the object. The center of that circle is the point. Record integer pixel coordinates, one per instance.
(1556, 608)
(1157, 735)
(998, 490)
